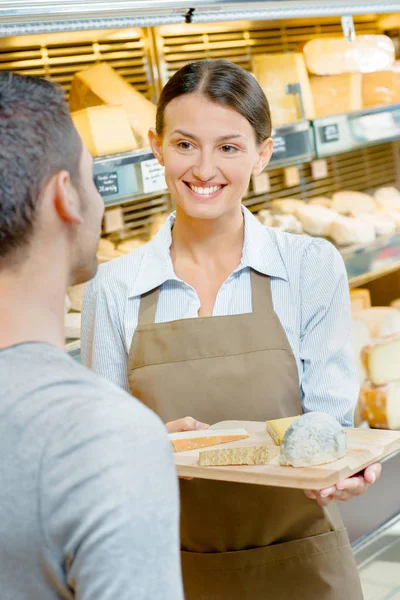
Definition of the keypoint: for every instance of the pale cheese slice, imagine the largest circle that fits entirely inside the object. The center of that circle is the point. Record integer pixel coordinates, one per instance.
(382, 360)
(191, 440)
(249, 455)
(380, 406)
(277, 428)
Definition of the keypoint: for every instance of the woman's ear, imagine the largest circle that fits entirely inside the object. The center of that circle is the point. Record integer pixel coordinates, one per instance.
(156, 145)
(264, 156)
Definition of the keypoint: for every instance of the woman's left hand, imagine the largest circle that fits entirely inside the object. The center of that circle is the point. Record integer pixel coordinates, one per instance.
(348, 488)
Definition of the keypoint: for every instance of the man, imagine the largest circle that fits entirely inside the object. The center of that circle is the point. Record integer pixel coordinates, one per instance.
(88, 493)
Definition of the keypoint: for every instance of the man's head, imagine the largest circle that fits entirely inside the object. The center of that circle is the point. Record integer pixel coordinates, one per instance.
(48, 200)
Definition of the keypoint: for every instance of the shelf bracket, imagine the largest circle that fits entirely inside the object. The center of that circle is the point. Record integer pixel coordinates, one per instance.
(348, 28)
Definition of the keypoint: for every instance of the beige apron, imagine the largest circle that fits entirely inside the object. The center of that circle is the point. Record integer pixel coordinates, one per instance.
(240, 542)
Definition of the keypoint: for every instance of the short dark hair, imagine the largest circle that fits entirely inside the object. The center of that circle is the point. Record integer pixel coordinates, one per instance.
(222, 82)
(37, 140)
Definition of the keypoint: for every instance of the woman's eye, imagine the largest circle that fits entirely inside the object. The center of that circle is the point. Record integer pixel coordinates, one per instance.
(228, 149)
(185, 145)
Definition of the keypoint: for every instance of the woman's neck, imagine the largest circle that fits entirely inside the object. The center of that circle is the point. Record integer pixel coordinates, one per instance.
(202, 240)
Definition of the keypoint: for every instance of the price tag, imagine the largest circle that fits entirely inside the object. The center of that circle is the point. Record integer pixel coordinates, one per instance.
(329, 133)
(319, 169)
(378, 126)
(292, 176)
(107, 183)
(113, 219)
(261, 183)
(152, 176)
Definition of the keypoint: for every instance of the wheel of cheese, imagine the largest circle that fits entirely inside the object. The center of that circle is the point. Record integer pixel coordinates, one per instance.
(288, 223)
(390, 325)
(383, 224)
(316, 220)
(380, 406)
(313, 439)
(346, 231)
(353, 203)
(321, 201)
(287, 206)
(387, 198)
(67, 304)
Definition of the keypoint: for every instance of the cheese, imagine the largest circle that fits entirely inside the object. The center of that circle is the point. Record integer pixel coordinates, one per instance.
(345, 231)
(382, 224)
(393, 215)
(104, 130)
(361, 339)
(72, 325)
(390, 326)
(106, 251)
(274, 72)
(129, 245)
(360, 299)
(373, 317)
(191, 440)
(381, 88)
(287, 206)
(277, 428)
(102, 85)
(333, 56)
(336, 94)
(316, 220)
(287, 223)
(380, 406)
(313, 439)
(76, 294)
(265, 217)
(353, 203)
(321, 201)
(387, 198)
(249, 455)
(382, 360)
(67, 304)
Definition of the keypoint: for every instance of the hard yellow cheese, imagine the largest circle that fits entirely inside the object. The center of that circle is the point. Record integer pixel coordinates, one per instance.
(336, 94)
(104, 130)
(192, 440)
(277, 428)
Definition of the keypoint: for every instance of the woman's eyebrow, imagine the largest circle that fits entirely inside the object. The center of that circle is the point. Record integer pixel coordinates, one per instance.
(220, 139)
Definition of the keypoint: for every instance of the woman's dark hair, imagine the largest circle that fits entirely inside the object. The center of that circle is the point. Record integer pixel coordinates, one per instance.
(222, 82)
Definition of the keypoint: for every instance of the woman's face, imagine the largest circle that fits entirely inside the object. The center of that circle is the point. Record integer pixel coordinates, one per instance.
(209, 153)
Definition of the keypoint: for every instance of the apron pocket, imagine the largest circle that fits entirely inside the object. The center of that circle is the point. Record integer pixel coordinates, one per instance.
(321, 567)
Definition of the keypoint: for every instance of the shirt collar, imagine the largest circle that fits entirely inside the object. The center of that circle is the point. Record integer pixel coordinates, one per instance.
(260, 252)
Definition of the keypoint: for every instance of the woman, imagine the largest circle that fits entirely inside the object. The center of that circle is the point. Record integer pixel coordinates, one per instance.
(278, 342)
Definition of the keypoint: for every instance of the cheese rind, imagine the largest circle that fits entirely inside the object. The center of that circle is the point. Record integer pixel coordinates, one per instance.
(274, 72)
(191, 440)
(248, 455)
(313, 439)
(277, 428)
(336, 94)
(333, 56)
(380, 405)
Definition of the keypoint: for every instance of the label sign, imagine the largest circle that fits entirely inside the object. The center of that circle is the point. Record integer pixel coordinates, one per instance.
(329, 133)
(279, 145)
(152, 176)
(107, 183)
(293, 145)
(378, 126)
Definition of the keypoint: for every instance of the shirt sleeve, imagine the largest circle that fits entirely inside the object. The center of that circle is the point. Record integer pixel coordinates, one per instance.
(102, 344)
(330, 379)
(109, 507)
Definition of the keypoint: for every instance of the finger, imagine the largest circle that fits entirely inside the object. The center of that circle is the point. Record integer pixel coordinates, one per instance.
(185, 424)
(372, 473)
(327, 492)
(186, 478)
(310, 494)
(351, 484)
(324, 501)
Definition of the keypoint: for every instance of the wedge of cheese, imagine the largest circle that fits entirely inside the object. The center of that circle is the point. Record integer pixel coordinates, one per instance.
(382, 360)
(274, 72)
(316, 220)
(381, 88)
(360, 299)
(249, 455)
(104, 130)
(336, 94)
(333, 56)
(103, 85)
(191, 440)
(277, 428)
(380, 406)
(353, 203)
(346, 231)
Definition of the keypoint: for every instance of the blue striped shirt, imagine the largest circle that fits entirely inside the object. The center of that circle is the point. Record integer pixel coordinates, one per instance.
(310, 295)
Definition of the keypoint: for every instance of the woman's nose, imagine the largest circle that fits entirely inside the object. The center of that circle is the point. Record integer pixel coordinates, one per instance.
(204, 169)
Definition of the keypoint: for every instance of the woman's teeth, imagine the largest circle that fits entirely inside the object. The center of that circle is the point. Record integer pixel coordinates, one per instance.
(205, 191)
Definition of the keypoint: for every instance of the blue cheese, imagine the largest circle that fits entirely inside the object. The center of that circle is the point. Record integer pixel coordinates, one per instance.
(313, 439)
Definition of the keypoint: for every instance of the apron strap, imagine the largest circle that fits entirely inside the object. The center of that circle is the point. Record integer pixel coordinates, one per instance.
(148, 307)
(261, 292)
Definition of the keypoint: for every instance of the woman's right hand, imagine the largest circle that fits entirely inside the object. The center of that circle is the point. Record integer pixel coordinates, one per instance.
(185, 424)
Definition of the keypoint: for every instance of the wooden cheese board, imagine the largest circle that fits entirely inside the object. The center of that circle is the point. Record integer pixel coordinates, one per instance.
(365, 446)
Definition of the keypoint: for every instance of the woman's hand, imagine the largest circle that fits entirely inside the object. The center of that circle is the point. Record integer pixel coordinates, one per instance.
(348, 488)
(185, 424)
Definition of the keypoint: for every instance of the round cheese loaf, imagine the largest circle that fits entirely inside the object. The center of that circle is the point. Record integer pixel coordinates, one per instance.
(315, 438)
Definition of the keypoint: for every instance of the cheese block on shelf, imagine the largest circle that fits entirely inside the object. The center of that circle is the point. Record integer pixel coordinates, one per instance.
(265, 217)
(274, 72)
(321, 201)
(277, 428)
(382, 223)
(353, 203)
(333, 56)
(103, 85)
(191, 440)
(380, 406)
(287, 206)
(387, 198)
(316, 220)
(360, 299)
(288, 223)
(104, 130)
(249, 455)
(390, 325)
(315, 438)
(346, 231)
(382, 360)
(381, 88)
(76, 294)
(336, 94)
(373, 317)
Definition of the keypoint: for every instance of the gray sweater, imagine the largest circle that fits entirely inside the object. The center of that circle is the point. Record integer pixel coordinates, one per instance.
(88, 492)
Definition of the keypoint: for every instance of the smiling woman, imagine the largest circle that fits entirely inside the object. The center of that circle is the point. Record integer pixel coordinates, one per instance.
(222, 318)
